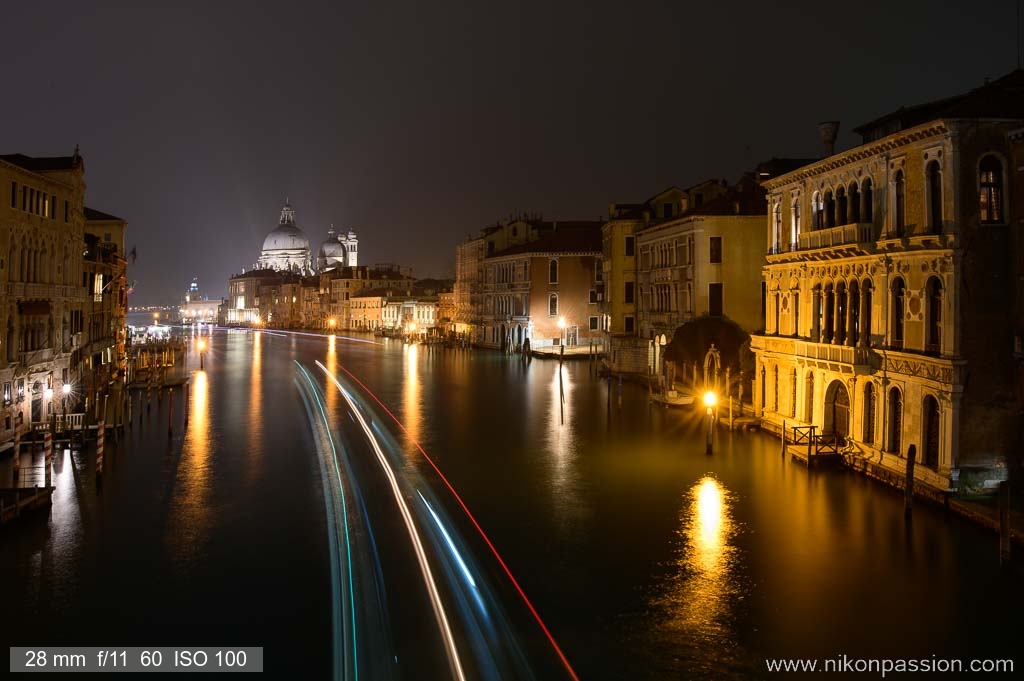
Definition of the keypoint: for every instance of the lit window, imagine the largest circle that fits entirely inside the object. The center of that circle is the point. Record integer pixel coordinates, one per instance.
(990, 198)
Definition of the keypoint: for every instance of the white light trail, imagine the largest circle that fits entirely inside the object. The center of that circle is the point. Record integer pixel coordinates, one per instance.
(421, 556)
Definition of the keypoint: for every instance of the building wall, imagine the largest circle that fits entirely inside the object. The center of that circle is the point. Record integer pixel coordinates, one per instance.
(43, 305)
(951, 307)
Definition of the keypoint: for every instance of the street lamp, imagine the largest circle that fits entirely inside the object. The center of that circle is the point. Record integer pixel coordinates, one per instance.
(710, 399)
(331, 322)
(66, 389)
(202, 350)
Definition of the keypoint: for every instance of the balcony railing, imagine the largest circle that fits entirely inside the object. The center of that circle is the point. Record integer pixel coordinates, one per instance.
(854, 233)
(840, 354)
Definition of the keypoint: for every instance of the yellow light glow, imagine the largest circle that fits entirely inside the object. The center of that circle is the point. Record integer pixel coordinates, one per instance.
(710, 399)
(332, 322)
(202, 345)
(561, 322)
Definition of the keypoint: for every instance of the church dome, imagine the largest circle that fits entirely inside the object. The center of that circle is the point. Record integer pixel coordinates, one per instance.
(332, 251)
(287, 236)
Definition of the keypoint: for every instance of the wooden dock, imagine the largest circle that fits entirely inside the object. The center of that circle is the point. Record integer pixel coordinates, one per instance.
(14, 501)
(806, 445)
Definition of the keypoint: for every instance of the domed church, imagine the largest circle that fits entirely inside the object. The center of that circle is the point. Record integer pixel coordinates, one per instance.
(339, 250)
(286, 248)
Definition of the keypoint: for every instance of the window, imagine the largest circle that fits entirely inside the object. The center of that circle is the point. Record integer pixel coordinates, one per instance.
(630, 324)
(933, 340)
(854, 203)
(869, 414)
(698, 200)
(715, 299)
(775, 389)
(817, 211)
(841, 206)
(53, 206)
(715, 250)
(630, 292)
(895, 419)
(809, 403)
(934, 198)
(776, 226)
(593, 323)
(666, 210)
(898, 313)
(931, 432)
(553, 304)
(630, 246)
(869, 202)
(553, 272)
(990, 187)
(14, 194)
(899, 215)
(830, 209)
(67, 211)
(794, 234)
(795, 310)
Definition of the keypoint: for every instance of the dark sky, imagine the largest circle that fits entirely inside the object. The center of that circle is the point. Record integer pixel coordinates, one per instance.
(418, 123)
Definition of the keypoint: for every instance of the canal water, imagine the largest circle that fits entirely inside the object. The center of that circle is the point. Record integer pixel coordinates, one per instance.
(645, 558)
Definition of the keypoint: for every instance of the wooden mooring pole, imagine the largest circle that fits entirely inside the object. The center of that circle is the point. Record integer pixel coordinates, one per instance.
(1004, 522)
(783, 438)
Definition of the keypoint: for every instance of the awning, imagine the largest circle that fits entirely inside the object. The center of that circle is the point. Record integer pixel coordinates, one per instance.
(34, 307)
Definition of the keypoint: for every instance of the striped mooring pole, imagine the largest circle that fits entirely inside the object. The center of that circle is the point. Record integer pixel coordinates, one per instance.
(16, 462)
(48, 456)
(100, 431)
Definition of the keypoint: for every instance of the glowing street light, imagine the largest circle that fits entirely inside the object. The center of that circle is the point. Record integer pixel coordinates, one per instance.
(332, 323)
(710, 400)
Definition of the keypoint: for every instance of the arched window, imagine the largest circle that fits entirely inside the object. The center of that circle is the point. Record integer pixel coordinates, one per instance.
(899, 291)
(895, 419)
(794, 235)
(899, 206)
(869, 413)
(841, 211)
(934, 197)
(830, 209)
(775, 389)
(828, 315)
(817, 211)
(795, 311)
(868, 201)
(817, 313)
(933, 339)
(553, 272)
(990, 190)
(853, 303)
(931, 432)
(854, 203)
(841, 310)
(553, 304)
(792, 393)
(776, 227)
(809, 404)
(864, 337)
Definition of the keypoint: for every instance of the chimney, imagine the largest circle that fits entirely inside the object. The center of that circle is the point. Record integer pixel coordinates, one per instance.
(828, 131)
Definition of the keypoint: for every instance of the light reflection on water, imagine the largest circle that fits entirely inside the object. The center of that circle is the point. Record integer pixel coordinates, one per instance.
(698, 598)
(192, 498)
(412, 398)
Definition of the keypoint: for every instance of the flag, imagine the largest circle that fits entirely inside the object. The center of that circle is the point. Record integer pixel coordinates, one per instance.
(132, 255)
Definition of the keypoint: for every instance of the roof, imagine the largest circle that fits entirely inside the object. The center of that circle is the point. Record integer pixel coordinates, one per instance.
(774, 167)
(563, 237)
(93, 214)
(746, 198)
(1001, 98)
(43, 163)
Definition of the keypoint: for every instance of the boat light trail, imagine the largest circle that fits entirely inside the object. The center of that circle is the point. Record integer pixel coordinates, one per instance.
(330, 518)
(465, 508)
(448, 540)
(421, 556)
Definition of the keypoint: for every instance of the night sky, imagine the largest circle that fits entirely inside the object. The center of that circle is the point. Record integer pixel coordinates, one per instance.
(419, 123)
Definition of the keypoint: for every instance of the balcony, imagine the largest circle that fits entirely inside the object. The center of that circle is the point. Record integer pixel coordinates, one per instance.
(851, 235)
(852, 357)
(40, 356)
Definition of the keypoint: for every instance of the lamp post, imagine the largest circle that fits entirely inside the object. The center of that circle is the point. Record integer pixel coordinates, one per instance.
(331, 322)
(561, 340)
(202, 350)
(710, 399)
(66, 390)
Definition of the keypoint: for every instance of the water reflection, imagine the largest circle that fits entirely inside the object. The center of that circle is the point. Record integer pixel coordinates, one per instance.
(698, 598)
(412, 392)
(561, 434)
(332, 368)
(192, 501)
(256, 415)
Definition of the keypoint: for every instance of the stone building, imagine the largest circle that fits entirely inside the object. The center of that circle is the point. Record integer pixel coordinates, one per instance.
(887, 278)
(628, 348)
